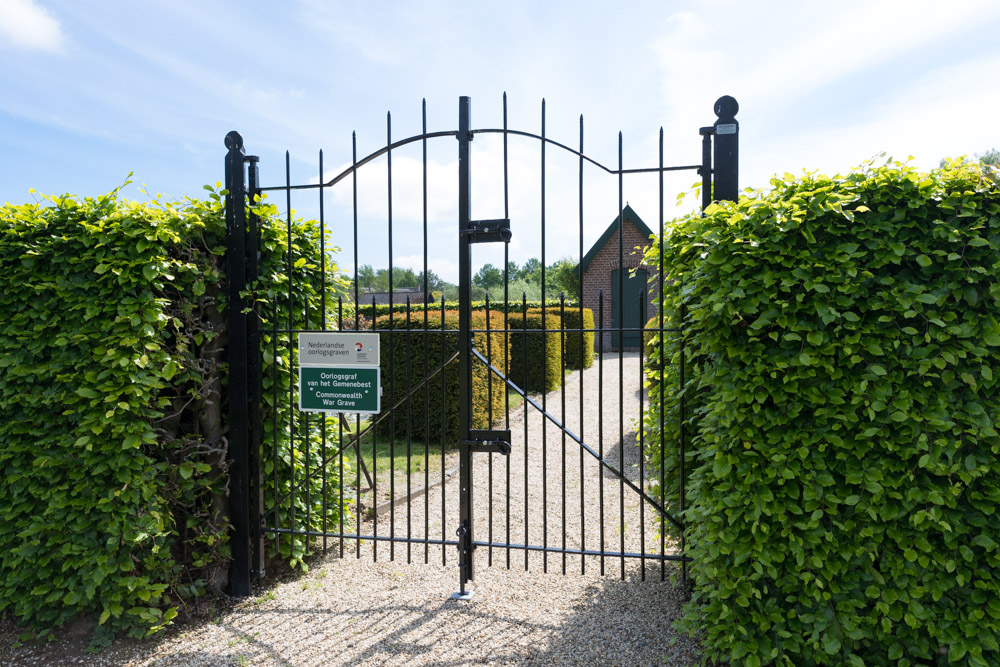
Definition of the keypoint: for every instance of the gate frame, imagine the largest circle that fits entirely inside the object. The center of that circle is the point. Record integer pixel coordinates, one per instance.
(719, 171)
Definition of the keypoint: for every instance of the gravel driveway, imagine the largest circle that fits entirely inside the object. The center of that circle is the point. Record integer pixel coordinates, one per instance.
(357, 611)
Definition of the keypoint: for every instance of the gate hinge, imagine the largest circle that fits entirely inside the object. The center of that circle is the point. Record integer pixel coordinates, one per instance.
(488, 231)
(492, 442)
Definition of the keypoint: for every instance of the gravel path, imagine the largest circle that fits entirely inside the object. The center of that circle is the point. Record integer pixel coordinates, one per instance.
(359, 611)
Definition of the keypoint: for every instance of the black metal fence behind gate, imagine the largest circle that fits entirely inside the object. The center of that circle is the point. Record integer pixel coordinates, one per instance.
(474, 395)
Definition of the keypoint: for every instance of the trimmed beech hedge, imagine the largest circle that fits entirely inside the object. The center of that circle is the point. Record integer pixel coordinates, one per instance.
(844, 347)
(403, 355)
(113, 456)
(535, 357)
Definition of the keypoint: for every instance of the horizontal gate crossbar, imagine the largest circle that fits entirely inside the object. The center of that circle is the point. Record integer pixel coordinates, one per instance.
(576, 438)
(356, 440)
(586, 552)
(352, 536)
(575, 331)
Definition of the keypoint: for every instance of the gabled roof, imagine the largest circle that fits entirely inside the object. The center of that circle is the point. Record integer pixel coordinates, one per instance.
(629, 216)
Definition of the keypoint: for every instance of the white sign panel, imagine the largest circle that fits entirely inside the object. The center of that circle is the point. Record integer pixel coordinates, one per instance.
(340, 348)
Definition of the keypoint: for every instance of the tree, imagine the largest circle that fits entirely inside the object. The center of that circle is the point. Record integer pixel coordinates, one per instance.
(561, 277)
(434, 282)
(513, 271)
(531, 271)
(488, 277)
(404, 278)
(366, 276)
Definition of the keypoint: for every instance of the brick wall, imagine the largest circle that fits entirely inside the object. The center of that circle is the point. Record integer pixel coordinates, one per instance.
(597, 277)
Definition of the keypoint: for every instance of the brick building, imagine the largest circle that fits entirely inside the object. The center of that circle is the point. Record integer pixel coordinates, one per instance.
(601, 270)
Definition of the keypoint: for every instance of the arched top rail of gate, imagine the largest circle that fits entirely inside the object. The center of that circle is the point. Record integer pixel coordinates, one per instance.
(504, 131)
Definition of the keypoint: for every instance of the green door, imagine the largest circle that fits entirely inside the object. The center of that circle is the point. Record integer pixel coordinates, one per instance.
(632, 312)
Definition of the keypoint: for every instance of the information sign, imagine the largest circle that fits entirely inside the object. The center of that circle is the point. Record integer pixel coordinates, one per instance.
(339, 372)
(339, 348)
(340, 389)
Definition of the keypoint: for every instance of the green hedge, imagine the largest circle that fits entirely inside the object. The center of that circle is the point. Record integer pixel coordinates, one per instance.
(403, 356)
(844, 356)
(573, 320)
(112, 440)
(535, 357)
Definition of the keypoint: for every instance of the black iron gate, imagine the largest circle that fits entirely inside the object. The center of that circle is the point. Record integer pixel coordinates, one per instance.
(449, 373)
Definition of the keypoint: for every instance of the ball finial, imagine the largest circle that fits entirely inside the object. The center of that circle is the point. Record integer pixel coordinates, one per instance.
(234, 141)
(726, 107)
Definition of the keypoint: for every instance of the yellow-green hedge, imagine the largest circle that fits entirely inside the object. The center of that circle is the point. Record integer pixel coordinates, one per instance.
(410, 349)
(574, 320)
(535, 357)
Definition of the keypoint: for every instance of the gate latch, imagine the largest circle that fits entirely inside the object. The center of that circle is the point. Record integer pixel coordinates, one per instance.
(493, 442)
(489, 231)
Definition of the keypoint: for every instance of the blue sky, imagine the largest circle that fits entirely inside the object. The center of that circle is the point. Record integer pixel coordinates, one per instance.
(90, 91)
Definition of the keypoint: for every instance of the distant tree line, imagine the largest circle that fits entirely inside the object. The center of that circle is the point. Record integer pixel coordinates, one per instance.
(523, 280)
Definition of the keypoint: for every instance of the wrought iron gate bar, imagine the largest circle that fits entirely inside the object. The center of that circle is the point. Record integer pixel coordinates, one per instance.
(582, 342)
(588, 552)
(621, 356)
(427, 389)
(322, 421)
(575, 330)
(545, 355)
(562, 427)
(506, 314)
(642, 431)
(392, 340)
(659, 275)
(373, 538)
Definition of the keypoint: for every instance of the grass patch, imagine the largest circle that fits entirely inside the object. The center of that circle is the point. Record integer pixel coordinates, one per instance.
(385, 455)
(514, 399)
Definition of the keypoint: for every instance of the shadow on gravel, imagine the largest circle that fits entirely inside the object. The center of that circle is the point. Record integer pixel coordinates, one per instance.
(630, 453)
(383, 633)
(628, 622)
(244, 648)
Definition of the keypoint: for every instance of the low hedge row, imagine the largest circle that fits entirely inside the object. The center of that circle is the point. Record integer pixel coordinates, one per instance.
(843, 361)
(574, 321)
(432, 409)
(535, 356)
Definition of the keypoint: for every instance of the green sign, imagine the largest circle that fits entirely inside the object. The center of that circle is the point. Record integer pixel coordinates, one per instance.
(337, 389)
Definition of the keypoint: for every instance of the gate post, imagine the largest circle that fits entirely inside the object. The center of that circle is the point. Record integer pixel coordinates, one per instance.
(255, 365)
(720, 157)
(465, 343)
(727, 149)
(236, 348)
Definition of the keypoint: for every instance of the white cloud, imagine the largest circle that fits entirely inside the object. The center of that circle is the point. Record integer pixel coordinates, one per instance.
(920, 122)
(25, 25)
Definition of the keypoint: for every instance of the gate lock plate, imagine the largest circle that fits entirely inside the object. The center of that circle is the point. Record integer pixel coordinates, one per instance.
(489, 231)
(493, 442)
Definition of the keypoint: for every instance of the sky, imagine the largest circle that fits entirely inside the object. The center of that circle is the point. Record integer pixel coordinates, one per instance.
(93, 91)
